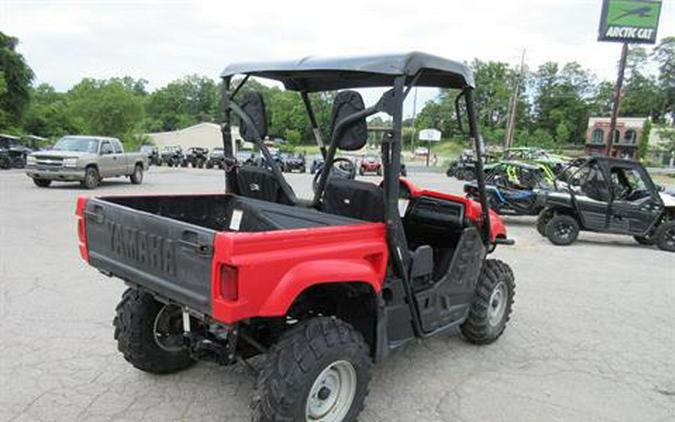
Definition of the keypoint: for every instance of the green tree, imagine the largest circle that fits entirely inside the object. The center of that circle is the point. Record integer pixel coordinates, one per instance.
(182, 103)
(48, 114)
(105, 107)
(640, 96)
(561, 99)
(15, 82)
(664, 55)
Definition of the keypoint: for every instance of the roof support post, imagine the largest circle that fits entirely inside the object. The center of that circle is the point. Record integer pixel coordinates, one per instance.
(312, 120)
(226, 130)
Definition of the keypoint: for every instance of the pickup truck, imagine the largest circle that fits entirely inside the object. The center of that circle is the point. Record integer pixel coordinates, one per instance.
(85, 159)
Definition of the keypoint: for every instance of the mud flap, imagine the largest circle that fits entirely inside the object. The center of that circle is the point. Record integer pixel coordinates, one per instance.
(447, 301)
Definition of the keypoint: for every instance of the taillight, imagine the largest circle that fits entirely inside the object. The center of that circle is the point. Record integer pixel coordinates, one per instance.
(82, 228)
(229, 283)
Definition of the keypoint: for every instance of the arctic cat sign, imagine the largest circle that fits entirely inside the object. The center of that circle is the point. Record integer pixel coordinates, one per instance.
(630, 21)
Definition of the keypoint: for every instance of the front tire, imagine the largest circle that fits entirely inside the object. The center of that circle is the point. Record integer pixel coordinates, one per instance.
(562, 230)
(665, 236)
(491, 307)
(149, 334)
(91, 178)
(542, 220)
(137, 176)
(645, 240)
(317, 371)
(43, 183)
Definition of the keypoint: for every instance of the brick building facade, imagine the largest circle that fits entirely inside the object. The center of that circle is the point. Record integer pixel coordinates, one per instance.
(626, 136)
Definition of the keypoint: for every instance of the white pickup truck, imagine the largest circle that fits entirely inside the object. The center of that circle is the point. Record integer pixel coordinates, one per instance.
(85, 159)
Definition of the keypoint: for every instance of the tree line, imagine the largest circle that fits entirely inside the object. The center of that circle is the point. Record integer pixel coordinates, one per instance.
(552, 108)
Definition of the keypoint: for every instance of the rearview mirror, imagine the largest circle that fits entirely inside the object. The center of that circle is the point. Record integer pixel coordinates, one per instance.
(354, 136)
(253, 105)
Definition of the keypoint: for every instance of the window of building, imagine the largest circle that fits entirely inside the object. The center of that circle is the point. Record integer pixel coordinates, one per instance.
(598, 136)
(630, 137)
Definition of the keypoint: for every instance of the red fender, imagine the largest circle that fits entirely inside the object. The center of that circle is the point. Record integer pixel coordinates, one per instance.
(308, 274)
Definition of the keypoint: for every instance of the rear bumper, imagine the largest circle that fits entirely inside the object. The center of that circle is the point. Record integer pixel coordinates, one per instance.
(72, 175)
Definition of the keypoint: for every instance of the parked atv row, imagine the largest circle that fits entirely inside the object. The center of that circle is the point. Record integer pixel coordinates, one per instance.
(464, 168)
(600, 194)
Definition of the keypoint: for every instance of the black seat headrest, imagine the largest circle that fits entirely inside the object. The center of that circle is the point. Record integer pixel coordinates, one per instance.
(260, 183)
(355, 135)
(354, 199)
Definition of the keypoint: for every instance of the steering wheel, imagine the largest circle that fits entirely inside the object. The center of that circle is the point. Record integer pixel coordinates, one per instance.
(342, 168)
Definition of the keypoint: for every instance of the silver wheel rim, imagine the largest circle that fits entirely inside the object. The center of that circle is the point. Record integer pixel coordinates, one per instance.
(332, 393)
(167, 329)
(497, 304)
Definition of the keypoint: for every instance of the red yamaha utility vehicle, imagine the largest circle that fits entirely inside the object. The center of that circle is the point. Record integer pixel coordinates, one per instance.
(323, 288)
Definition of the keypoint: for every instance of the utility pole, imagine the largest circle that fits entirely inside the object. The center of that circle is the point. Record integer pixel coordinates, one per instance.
(511, 123)
(617, 99)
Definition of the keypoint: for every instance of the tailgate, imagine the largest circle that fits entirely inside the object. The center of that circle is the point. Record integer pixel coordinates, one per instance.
(167, 256)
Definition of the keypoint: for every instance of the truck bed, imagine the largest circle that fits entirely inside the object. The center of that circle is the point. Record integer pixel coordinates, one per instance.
(176, 245)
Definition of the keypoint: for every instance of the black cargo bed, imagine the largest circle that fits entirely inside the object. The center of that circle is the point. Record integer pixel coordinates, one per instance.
(165, 243)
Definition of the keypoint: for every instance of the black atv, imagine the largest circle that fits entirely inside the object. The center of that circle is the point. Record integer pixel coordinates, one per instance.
(12, 152)
(514, 188)
(172, 156)
(294, 162)
(216, 158)
(607, 195)
(464, 168)
(195, 157)
(152, 152)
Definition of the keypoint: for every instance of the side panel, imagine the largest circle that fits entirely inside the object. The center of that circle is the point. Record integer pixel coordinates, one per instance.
(167, 256)
(275, 267)
(447, 302)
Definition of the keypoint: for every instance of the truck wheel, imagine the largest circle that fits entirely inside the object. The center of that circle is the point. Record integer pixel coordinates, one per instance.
(665, 236)
(491, 306)
(317, 371)
(542, 221)
(137, 176)
(91, 178)
(562, 230)
(43, 183)
(645, 240)
(150, 334)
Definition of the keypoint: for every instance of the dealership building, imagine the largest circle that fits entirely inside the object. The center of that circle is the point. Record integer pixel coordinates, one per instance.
(205, 135)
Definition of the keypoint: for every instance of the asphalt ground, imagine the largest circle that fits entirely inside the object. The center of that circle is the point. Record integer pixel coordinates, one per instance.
(592, 334)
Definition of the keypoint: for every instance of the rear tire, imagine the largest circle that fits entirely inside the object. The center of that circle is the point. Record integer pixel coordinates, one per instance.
(665, 236)
(91, 178)
(290, 387)
(491, 307)
(562, 230)
(43, 183)
(138, 338)
(137, 176)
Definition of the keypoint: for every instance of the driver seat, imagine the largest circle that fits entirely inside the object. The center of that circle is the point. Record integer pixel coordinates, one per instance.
(354, 199)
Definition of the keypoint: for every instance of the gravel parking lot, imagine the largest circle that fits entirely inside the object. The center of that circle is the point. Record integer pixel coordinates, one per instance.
(592, 336)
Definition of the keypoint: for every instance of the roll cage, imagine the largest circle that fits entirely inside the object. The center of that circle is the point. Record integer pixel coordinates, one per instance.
(400, 73)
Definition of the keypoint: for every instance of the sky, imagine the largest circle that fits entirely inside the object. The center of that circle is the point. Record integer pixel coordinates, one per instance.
(64, 41)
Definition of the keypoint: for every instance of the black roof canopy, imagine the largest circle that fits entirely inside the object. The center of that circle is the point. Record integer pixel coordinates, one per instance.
(332, 73)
